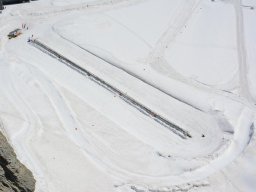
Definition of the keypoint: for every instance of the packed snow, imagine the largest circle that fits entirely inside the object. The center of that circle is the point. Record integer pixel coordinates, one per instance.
(189, 62)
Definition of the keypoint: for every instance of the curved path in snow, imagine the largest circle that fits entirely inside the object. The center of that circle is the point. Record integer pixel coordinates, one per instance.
(241, 138)
(92, 146)
(145, 110)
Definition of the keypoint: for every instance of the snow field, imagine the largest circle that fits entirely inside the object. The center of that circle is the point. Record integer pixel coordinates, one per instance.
(77, 136)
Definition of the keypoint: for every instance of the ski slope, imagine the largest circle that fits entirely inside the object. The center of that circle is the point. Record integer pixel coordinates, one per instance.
(102, 96)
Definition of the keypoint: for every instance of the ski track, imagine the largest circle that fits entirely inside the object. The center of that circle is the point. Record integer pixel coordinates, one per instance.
(91, 145)
(243, 69)
(105, 4)
(240, 141)
(156, 57)
(127, 28)
(31, 122)
(128, 71)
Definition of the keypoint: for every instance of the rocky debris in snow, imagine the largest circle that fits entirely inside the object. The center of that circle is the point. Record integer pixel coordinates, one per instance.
(14, 176)
(182, 188)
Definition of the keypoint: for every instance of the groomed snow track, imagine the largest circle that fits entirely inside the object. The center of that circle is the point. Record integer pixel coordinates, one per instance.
(146, 111)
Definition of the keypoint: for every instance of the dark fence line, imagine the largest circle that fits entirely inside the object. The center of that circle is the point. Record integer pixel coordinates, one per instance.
(143, 109)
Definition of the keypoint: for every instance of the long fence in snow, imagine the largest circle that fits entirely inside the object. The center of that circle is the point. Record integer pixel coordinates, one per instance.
(143, 109)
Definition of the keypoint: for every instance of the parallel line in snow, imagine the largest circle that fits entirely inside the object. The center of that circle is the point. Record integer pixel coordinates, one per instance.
(143, 109)
(129, 72)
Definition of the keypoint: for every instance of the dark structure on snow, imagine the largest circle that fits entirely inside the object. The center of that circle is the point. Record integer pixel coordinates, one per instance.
(1, 6)
(7, 2)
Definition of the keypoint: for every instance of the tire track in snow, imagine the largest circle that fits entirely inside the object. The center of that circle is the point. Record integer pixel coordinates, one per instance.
(156, 57)
(243, 68)
(84, 140)
(148, 112)
(28, 129)
(144, 80)
(60, 107)
(238, 144)
(107, 4)
(141, 38)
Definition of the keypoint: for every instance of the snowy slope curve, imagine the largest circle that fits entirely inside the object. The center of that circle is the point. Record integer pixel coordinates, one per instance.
(108, 99)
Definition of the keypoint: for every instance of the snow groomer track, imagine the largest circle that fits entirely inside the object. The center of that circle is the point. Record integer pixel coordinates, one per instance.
(143, 109)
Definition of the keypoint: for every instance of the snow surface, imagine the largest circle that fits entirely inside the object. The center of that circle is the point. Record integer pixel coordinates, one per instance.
(192, 62)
